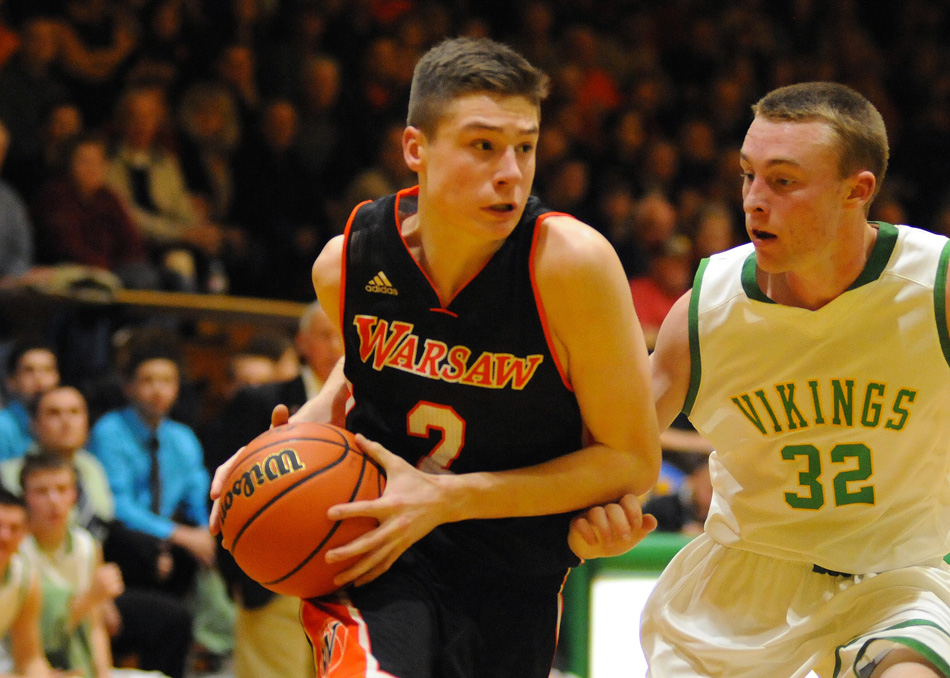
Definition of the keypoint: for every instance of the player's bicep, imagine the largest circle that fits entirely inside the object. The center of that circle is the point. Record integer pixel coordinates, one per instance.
(592, 315)
(327, 275)
(671, 363)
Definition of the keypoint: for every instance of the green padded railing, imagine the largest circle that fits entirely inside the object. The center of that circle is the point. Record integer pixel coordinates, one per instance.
(649, 556)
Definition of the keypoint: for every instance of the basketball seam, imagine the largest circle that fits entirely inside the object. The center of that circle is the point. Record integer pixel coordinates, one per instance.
(283, 441)
(262, 509)
(330, 533)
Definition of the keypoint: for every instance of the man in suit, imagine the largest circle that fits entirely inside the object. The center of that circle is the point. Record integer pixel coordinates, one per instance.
(270, 640)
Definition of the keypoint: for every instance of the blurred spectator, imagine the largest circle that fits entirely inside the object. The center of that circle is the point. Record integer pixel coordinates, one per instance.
(616, 207)
(598, 92)
(160, 486)
(96, 38)
(60, 422)
(62, 125)
(248, 413)
(17, 245)
(714, 231)
(210, 134)
(659, 172)
(148, 177)
(534, 36)
(554, 147)
(567, 188)
(301, 34)
(624, 151)
(668, 277)
(684, 511)
(387, 175)
(79, 589)
(236, 68)
(31, 369)
(154, 465)
(164, 54)
(278, 205)
(30, 85)
(326, 138)
(20, 597)
(252, 363)
(9, 37)
(374, 96)
(653, 223)
(698, 154)
(81, 221)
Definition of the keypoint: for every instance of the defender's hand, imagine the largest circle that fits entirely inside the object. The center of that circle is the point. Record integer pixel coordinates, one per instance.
(610, 530)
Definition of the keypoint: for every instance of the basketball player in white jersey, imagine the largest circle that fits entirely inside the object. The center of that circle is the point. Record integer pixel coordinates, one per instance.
(20, 598)
(815, 360)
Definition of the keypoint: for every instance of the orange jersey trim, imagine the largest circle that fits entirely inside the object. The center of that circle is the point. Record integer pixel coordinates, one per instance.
(346, 247)
(537, 299)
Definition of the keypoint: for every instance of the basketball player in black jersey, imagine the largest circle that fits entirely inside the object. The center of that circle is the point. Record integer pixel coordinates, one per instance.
(497, 372)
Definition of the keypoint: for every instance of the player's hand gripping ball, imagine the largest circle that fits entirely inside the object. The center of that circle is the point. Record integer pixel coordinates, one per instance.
(275, 500)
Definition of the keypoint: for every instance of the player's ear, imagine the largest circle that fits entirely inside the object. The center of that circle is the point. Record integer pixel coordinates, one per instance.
(413, 147)
(862, 188)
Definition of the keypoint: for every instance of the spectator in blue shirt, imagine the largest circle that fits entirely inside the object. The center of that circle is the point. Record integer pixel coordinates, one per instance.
(31, 369)
(156, 470)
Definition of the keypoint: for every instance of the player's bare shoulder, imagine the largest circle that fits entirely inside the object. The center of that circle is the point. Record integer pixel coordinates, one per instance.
(572, 253)
(582, 287)
(327, 275)
(328, 267)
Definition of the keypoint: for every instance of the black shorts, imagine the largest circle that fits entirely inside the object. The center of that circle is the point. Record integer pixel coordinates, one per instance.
(417, 622)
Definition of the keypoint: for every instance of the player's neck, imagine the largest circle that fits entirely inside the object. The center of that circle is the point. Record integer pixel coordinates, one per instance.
(50, 538)
(450, 257)
(815, 287)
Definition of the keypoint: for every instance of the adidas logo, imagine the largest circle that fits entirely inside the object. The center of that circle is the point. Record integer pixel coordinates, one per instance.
(380, 283)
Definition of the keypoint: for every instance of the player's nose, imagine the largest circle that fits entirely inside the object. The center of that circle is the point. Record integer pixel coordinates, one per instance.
(509, 169)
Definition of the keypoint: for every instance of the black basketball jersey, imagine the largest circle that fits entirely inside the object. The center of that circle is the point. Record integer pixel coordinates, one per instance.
(473, 386)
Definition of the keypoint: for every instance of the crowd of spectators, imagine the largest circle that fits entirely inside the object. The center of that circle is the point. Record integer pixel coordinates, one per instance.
(214, 146)
(238, 134)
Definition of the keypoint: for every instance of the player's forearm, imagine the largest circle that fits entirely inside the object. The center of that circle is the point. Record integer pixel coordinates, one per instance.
(83, 604)
(35, 668)
(327, 406)
(594, 475)
(101, 649)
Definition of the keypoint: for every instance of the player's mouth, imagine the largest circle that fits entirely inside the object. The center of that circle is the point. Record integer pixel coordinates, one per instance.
(758, 234)
(503, 207)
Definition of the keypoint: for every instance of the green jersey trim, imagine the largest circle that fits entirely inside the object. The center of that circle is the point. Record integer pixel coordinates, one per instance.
(877, 261)
(749, 282)
(695, 364)
(940, 301)
(912, 643)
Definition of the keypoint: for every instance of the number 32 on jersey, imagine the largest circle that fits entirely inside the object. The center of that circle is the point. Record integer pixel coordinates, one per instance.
(855, 457)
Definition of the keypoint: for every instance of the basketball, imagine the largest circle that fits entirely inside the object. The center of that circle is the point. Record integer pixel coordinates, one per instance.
(275, 500)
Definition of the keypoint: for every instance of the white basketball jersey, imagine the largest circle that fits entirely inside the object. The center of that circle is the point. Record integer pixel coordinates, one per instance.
(831, 427)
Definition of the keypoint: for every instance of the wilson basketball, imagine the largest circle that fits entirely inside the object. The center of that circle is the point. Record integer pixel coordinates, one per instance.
(275, 501)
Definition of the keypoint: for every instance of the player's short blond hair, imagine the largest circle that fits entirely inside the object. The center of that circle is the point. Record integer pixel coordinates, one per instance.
(855, 122)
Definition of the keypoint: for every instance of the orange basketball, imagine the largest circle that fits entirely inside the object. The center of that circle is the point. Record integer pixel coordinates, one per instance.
(275, 500)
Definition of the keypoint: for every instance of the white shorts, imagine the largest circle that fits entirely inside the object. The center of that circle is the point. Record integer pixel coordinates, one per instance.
(721, 612)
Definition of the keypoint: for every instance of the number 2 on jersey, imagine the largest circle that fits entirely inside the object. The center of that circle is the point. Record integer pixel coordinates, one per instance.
(427, 417)
(809, 479)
